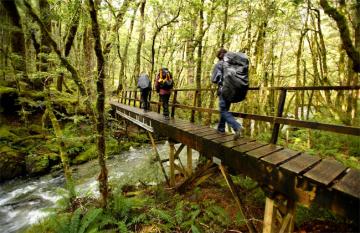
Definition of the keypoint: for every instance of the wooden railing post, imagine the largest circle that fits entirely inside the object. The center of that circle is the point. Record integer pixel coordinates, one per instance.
(276, 127)
(129, 102)
(192, 119)
(173, 106)
(135, 98)
(123, 99)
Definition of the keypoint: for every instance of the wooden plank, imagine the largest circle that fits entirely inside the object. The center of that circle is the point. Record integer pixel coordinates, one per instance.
(325, 172)
(204, 133)
(199, 130)
(238, 142)
(350, 183)
(213, 136)
(225, 138)
(300, 163)
(280, 156)
(248, 146)
(264, 150)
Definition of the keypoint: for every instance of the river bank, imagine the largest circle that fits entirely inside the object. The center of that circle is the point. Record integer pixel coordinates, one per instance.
(25, 201)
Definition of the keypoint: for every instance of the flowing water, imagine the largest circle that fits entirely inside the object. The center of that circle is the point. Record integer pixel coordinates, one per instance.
(26, 201)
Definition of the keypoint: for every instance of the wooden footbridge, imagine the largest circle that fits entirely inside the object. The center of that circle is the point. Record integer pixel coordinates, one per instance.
(286, 176)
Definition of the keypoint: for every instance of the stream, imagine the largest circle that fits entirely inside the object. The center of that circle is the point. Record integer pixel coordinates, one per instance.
(26, 201)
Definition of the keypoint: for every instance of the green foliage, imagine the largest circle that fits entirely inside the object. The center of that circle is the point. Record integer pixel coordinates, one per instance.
(85, 156)
(77, 222)
(217, 214)
(304, 214)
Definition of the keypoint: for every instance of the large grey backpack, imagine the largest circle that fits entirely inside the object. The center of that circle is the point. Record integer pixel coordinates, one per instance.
(235, 77)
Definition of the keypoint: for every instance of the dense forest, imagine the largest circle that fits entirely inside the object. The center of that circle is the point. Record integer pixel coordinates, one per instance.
(61, 61)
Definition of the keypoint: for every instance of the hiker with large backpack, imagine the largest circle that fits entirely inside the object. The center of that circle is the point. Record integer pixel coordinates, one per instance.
(144, 84)
(231, 75)
(163, 85)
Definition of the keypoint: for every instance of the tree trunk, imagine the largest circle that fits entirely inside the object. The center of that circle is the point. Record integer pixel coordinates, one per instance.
(100, 106)
(17, 39)
(199, 57)
(124, 57)
(225, 22)
(342, 25)
(140, 42)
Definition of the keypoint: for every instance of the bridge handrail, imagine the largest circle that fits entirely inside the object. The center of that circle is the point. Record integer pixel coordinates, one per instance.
(275, 120)
(289, 88)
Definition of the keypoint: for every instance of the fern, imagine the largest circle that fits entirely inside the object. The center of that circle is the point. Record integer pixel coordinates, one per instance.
(90, 216)
(163, 215)
(195, 229)
(218, 214)
(179, 212)
(75, 221)
(141, 218)
(122, 227)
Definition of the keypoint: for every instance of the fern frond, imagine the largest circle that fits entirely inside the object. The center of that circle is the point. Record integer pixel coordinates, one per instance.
(195, 229)
(75, 221)
(122, 227)
(90, 216)
(163, 215)
(179, 212)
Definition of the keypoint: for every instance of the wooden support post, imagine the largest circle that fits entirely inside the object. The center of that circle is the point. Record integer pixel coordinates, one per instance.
(231, 185)
(189, 160)
(173, 106)
(269, 216)
(276, 127)
(172, 166)
(158, 157)
(192, 119)
(287, 225)
(135, 98)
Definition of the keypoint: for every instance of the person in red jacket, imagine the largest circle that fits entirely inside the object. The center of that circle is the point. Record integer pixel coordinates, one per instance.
(163, 85)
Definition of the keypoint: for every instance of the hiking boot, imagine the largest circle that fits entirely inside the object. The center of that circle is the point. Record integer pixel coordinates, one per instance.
(238, 134)
(166, 118)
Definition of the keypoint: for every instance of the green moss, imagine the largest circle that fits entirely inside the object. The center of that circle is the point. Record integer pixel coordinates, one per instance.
(7, 135)
(37, 164)
(7, 90)
(85, 156)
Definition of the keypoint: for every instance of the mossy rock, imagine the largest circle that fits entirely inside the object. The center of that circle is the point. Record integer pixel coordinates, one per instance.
(12, 163)
(85, 156)
(37, 164)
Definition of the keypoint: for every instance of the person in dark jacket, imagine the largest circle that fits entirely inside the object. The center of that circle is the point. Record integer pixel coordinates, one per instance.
(144, 84)
(163, 85)
(225, 115)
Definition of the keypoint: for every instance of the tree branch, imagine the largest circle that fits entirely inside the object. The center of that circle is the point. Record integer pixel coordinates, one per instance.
(341, 23)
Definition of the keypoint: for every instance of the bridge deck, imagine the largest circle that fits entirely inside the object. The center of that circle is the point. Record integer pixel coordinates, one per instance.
(296, 175)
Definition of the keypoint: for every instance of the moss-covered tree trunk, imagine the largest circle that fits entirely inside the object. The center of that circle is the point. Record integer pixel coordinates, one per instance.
(100, 106)
(140, 42)
(60, 140)
(17, 39)
(340, 19)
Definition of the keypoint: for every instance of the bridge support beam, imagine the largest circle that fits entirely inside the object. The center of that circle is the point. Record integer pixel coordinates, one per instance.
(278, 216)
(189, 160)
(172, 163)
